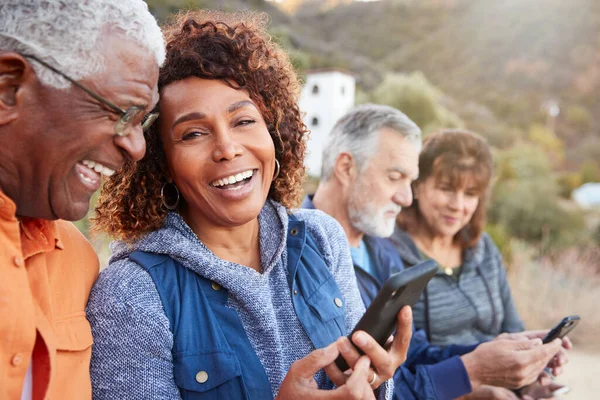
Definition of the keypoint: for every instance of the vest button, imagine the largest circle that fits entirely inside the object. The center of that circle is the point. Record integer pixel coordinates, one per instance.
(16, 360)
(215, 286)
(293, 231)
(18, 261)
(338, 302)
(201, 377)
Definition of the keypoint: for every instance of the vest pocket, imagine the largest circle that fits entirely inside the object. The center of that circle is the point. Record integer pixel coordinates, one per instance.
(217, 375)
(327, 301)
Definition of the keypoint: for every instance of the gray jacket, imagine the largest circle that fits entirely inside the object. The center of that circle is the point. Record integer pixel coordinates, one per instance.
(476, 308)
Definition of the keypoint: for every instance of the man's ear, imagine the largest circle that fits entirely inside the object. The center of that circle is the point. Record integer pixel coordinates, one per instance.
(345, 169)
(14, 71)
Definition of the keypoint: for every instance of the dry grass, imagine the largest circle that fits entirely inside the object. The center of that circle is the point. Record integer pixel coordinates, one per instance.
(546, 289)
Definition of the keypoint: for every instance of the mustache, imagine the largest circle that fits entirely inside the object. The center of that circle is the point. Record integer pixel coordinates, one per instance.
(392, 207)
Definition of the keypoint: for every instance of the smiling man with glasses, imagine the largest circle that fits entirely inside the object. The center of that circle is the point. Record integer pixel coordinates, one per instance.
(77, 87)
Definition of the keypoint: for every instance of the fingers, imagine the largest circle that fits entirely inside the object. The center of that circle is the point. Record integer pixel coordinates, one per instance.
(386, 362)
(357, 386)
(403, 334)
(308, 366)
(337, 376)
(566, 343)
(527, 344)
(381, 359)
(348, 351)
(539, 356)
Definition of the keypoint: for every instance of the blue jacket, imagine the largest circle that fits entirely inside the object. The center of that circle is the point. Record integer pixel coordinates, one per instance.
(216, 345)
(134, 336)
(430, 372)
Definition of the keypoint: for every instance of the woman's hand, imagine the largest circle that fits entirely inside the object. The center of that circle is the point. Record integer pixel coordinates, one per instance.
(299, 383)
(384, 362)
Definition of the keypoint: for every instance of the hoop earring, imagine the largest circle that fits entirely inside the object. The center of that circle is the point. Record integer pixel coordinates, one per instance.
(163, 199)
(276, 174)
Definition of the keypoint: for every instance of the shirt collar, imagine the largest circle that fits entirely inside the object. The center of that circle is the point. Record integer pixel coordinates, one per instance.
(37, 235)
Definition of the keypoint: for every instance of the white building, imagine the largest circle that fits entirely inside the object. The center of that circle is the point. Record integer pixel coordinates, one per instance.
(326, 96)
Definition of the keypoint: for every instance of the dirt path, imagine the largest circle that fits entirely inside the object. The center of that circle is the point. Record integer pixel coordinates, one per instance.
(582, 375)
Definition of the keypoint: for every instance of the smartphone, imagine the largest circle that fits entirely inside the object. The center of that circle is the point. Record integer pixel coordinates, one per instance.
(401, 289)
(562, 328)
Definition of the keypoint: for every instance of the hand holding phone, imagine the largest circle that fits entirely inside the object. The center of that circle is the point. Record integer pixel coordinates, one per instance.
(401, 289)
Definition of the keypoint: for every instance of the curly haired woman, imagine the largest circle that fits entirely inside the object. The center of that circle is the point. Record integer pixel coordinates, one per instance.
(216, 288)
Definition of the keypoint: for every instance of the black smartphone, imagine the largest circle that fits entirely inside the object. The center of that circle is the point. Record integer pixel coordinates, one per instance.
(401, 289)
(562, 328)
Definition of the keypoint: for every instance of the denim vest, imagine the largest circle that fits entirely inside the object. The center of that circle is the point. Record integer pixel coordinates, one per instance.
(212, 355)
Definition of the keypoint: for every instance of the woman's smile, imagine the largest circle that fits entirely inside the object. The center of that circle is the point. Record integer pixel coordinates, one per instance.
(235, 186)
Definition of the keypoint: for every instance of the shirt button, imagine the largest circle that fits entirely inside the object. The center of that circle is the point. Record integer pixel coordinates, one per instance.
(16, 360)
(215, 287)
(18, 261)
(338, 302)
(201, 377)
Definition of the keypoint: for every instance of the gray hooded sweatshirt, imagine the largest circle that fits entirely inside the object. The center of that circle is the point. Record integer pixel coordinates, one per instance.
(477, 307)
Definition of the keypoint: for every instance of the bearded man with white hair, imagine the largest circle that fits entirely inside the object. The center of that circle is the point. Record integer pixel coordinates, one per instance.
(78, 80)
(369, 162)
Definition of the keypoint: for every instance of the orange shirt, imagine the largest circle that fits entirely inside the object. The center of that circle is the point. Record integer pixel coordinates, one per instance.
(47, 269)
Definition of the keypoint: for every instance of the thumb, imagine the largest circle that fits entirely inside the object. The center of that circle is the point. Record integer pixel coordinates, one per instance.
(527, 344)
(403, 332)
(308, 366)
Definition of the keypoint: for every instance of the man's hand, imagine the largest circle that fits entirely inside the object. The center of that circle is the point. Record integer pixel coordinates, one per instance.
(509, 363)
(385, 362)
(299, 383)
(557, 363)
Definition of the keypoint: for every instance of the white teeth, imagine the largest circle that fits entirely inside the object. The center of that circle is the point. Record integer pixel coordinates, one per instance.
(85, 178)
(99, 168)
(233, 178)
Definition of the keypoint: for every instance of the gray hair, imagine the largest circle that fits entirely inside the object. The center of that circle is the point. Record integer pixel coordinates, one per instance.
(66, 33)
(357, 133)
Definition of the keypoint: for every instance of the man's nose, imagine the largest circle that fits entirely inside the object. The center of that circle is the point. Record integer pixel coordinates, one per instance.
(133, 144)
(403, 196)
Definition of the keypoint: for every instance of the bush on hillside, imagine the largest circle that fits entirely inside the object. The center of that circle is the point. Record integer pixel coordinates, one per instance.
(415, 96)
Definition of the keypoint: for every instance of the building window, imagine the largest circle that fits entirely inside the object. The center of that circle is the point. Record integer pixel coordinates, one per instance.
(315, 89)
(315, 121)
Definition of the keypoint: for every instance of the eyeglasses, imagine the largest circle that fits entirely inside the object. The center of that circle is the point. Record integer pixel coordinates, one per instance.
(127, 116)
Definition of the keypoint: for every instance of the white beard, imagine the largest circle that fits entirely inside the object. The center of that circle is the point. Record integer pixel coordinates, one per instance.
(369, 219)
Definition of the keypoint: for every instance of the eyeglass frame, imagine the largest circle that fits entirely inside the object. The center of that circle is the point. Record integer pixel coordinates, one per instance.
(125, 115)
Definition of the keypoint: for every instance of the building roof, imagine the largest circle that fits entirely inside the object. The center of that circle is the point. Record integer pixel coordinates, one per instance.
(333, 69)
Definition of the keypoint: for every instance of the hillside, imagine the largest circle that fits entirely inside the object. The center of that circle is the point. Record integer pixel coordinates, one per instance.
(497, 62)
(511, 56)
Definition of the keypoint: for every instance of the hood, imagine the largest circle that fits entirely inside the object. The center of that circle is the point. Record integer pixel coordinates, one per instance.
(177, 240)
(405, 246)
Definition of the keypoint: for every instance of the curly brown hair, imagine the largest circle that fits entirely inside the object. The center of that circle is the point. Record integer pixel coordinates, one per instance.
(236, 49)
(455, 154)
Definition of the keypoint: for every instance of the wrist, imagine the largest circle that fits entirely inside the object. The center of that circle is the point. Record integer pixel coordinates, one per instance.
(471, 365)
